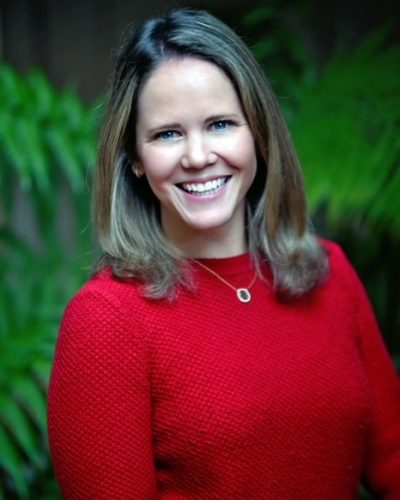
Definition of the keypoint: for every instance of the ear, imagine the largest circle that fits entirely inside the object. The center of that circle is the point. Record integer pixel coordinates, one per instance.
(137, 169)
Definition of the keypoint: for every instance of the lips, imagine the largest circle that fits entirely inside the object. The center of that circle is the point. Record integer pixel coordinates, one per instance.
(204, 188)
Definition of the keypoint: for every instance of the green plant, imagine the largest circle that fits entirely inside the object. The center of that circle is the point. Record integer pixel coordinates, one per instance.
(282, 45)
(47, 148)
(346, 126)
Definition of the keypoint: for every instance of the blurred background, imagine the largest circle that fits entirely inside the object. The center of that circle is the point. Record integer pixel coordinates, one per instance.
(335, 67)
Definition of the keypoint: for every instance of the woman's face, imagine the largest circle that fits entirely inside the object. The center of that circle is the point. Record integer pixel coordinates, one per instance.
(195, 148)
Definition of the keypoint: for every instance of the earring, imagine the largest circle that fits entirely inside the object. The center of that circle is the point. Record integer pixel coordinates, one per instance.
(137, 171)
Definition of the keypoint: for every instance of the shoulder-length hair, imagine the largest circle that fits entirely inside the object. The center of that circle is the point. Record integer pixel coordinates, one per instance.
(126, 213)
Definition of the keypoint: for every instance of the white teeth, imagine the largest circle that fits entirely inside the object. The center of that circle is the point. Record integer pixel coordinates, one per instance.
(205, 186)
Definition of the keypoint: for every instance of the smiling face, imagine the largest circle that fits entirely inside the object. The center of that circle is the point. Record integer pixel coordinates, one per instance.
(197, 152)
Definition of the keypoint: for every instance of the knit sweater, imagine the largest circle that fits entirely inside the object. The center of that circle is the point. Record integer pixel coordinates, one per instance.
(205, 397)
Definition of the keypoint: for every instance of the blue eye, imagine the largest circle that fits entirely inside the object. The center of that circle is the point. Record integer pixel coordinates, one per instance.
(221, 125)
(167, 135)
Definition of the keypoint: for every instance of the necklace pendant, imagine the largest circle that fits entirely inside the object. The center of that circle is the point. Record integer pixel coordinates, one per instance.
(243, 295)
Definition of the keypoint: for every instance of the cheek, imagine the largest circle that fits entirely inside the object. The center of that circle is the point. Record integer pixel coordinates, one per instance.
(244, 153)
(158, 164)
(247, 160)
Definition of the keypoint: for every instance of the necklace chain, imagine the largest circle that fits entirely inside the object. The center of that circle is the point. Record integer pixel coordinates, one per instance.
(243, 294)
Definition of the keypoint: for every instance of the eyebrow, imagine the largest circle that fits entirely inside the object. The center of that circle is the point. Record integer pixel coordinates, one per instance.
(223, 116)
(163, 126)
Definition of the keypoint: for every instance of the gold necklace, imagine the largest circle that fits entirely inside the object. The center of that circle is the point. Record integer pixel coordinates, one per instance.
(243, 294)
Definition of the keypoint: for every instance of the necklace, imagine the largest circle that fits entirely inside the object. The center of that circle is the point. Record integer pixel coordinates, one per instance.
(243, 294)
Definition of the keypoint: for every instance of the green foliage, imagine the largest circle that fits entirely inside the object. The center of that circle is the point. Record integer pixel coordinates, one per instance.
(346, 127)
(47, 147)
(282, 46)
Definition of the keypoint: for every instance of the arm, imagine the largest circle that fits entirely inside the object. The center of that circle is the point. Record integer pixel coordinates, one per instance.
(382, 465)
(99, 410)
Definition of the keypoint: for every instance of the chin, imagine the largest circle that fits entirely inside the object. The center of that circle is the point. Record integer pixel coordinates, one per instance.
(207, 225)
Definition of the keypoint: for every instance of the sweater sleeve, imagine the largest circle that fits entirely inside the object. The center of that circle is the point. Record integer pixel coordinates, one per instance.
(382, 464)
(99, 409)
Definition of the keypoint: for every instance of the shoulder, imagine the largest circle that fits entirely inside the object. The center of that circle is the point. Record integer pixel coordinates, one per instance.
(337, 258)
(344, 281)
(340, 268)
(104, 291)
(103, 310)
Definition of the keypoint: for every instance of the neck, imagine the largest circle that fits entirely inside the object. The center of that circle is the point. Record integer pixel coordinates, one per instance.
(208, 244)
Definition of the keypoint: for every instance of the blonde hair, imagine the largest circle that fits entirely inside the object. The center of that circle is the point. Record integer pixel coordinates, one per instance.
(126, 213)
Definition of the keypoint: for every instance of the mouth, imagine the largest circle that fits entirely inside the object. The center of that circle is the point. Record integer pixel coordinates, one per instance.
(206, 188)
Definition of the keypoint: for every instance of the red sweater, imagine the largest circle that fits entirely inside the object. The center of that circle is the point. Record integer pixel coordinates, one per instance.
(208, 398)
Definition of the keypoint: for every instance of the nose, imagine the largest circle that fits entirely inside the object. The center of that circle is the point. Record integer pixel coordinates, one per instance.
(197, 153)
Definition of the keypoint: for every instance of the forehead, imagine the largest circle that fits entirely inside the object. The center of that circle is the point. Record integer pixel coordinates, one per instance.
(187, 80)
(184, 65)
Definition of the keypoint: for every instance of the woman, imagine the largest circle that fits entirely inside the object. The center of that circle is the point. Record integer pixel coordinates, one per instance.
(220, 350)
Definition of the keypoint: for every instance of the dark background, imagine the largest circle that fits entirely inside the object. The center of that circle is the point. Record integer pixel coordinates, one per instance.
(72, 41)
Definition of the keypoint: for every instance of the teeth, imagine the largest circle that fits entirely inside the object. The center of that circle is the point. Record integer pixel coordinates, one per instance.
(205, 186)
